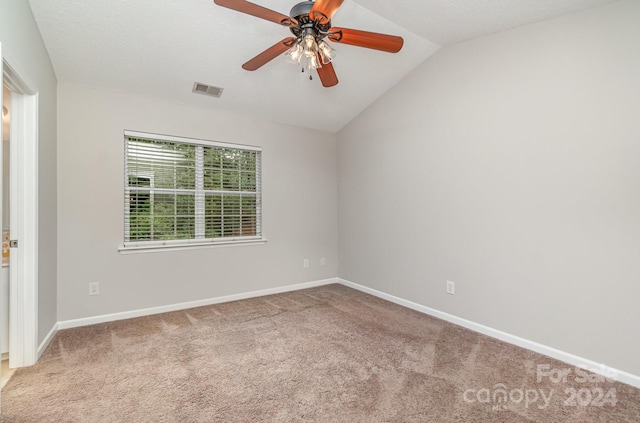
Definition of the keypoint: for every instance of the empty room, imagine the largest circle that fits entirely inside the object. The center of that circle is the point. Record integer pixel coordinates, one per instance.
(320, 211)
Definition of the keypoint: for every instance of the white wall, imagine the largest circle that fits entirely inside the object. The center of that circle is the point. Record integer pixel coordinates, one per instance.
(22, 43)
(299, 207)
(509, 164)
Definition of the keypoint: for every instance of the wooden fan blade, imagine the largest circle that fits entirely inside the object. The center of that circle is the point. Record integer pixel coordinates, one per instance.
(324, 10)
(269, 54)
(354, 37)
(327, 74)
(257, 11)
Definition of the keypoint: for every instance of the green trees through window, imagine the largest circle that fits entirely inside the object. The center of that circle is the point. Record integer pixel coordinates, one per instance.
(189, 191)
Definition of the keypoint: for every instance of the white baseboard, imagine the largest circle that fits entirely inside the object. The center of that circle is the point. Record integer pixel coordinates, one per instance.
(619, 375)
(67, 324)
(46, 341)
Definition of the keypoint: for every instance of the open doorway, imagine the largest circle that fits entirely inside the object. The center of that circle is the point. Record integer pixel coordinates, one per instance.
(4, 270)
(22, 113)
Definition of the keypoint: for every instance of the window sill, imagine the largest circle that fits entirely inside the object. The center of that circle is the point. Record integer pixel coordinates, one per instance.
(183, 247)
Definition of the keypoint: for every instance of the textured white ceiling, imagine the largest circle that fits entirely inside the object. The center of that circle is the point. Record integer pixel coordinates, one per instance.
(160, 48)
(446, 22)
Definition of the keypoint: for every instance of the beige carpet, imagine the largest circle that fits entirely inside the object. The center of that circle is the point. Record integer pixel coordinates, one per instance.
(328, 354)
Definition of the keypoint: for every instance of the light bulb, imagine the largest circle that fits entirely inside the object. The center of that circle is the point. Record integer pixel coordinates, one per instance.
(295, 53)
(310, 46)
(309, 41)
(326, 52)
(313, 63)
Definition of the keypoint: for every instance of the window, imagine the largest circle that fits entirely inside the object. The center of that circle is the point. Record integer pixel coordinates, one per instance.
(181, 191)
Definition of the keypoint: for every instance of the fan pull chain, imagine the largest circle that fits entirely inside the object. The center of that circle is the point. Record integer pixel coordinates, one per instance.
(310, 76)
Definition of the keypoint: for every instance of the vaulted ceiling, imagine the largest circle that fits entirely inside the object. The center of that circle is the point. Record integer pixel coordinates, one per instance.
(160, 48)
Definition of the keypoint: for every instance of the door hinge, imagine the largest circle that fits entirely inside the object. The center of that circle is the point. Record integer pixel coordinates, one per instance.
(13, 243)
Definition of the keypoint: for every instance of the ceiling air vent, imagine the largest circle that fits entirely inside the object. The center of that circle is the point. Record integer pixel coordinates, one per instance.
(207, 89)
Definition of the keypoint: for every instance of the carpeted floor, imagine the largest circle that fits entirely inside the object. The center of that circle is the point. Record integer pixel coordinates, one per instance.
(328, 354)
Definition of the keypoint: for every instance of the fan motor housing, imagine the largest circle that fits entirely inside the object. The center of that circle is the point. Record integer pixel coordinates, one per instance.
(300, 12)
(301, 9)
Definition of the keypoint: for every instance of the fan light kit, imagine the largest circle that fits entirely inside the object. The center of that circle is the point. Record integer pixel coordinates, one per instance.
(310, 23)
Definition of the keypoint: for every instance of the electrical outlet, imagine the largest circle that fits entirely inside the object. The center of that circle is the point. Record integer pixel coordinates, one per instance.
(305, 263)
(451, 287)
(323, 261)
(94, 288)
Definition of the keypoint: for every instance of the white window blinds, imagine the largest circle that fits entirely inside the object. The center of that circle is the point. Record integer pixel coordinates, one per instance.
(180, 191)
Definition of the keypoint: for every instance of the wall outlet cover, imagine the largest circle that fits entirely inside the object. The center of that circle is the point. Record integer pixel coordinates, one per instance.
(451, 287)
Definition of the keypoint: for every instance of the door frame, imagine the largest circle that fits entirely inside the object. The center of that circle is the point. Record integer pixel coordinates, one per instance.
(23, 285)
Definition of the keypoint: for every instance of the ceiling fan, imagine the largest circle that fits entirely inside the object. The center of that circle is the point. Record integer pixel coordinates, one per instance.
(310, 23)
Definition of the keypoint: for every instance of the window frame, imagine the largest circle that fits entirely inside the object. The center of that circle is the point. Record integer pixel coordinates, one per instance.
(198, 191)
